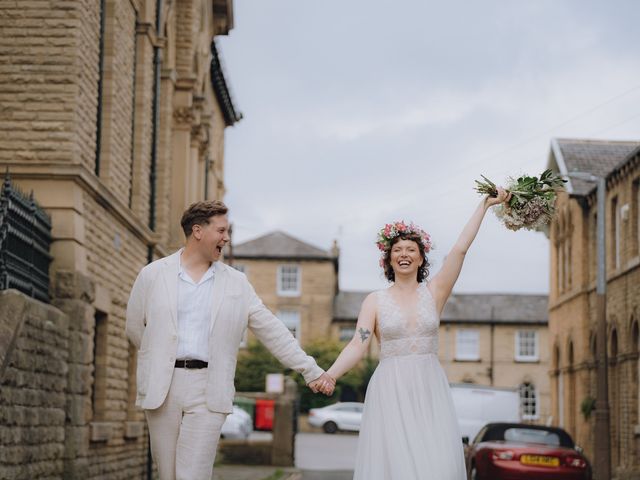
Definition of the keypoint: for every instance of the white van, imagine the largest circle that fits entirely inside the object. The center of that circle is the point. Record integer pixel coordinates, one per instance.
(477, 405)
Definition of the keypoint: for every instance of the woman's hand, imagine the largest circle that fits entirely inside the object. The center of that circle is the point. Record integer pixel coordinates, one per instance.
(503, 196)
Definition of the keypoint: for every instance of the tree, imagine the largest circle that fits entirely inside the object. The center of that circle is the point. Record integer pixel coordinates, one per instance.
(253, 365)
(256, 362)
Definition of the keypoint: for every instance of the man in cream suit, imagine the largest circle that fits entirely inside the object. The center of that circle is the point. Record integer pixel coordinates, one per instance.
(186, 315)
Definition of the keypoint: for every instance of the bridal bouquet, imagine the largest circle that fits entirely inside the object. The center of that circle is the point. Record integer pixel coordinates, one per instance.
(532, 200)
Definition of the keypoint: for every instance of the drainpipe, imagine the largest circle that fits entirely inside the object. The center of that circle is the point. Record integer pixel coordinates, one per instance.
(157, 63)
(155, 121)
(100, 83)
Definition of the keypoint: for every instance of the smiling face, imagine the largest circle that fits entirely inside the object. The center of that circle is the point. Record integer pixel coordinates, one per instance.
(211, 237)
(406, 257)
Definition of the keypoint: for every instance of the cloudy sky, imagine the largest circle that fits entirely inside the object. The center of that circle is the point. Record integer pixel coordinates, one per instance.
(360, 112)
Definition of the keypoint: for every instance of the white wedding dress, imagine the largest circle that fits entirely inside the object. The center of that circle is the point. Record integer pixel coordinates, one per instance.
(409, 429)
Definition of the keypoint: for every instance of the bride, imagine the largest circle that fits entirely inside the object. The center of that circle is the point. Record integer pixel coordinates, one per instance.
(409, 429)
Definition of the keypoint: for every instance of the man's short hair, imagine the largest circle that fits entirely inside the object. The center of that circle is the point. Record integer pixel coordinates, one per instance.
(199, 213)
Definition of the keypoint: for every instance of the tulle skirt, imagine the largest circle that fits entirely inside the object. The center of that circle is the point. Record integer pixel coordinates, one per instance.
(409, 428)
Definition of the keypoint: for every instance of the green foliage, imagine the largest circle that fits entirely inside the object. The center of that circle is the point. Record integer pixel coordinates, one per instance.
(325, 352)
(587, 406)
(257, 361)
(277, 475)
(253, 366)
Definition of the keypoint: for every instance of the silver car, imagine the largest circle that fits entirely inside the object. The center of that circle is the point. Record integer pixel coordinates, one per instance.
(237, 426)
(339, 416)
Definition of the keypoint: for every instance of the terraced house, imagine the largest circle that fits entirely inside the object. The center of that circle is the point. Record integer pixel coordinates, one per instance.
(572, 299)
(113, 115)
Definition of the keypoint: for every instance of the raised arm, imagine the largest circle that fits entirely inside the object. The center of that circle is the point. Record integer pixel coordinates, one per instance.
(442, 283)
(357, 347)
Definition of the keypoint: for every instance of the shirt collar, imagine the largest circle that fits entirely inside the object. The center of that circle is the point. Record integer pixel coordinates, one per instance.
(182, 273)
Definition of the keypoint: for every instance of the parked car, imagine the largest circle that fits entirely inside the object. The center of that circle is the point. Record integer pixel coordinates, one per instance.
(517, 451)
(339, 416)
(477, 405)
(238, 425)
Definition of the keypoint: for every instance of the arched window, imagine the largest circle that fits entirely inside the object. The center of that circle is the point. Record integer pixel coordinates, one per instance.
(528, 401)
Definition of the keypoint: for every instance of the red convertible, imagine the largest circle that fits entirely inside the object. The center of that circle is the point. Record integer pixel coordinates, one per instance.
(516, 451)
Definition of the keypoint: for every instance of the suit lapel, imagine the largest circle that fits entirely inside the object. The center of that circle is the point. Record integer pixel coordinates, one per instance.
(170, 279)
(219, 285)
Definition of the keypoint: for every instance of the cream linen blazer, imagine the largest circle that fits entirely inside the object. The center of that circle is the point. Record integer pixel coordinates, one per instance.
(152, 315)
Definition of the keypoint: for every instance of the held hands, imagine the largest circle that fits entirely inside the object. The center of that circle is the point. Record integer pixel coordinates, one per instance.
(503, 196)
(325, 383)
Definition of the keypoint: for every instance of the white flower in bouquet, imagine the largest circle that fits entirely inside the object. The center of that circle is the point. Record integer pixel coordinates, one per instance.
(532, 200)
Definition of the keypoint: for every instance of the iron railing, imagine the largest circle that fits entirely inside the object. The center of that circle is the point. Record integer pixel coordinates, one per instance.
(25, 237)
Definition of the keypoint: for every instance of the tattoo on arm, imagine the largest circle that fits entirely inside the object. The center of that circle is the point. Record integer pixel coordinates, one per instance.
(364, 334)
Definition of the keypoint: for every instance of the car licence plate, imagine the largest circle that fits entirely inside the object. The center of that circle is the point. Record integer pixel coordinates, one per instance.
(540, 460)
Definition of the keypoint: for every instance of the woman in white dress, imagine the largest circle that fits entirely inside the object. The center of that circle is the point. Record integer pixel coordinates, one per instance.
(409, 428)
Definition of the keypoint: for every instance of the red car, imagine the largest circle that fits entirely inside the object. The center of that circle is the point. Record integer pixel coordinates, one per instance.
(517, 451)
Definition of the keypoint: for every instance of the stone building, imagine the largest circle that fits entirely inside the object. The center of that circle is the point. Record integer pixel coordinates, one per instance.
(572, 299)
(487, 339)
(113, 114)
(295, 280)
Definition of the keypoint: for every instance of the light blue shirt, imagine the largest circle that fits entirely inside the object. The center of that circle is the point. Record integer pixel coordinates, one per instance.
(194, 314)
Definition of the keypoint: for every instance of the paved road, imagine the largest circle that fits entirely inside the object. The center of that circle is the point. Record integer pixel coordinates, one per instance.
(328, 453)
(327, 475)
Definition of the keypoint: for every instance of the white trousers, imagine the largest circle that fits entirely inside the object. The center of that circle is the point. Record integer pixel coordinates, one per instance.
(184, 432)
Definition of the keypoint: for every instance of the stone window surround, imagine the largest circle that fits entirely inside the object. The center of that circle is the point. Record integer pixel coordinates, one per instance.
(103, 431)
(283, 278)
(518, 343)
(532, 398)
(463, 345)
(291, 318)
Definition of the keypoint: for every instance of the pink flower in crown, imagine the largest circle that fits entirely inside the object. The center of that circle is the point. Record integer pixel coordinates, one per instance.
(392, 230)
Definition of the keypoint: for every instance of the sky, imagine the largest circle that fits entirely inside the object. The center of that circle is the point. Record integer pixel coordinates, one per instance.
(358, 113)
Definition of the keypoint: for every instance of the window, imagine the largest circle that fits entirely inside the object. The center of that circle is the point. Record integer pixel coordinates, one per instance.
(347, 333)
(289, 280)
(615, 233)
(99, 386)
(526, 346)
(291, 319)
(635, 216)
(528, 401)
(467, 345)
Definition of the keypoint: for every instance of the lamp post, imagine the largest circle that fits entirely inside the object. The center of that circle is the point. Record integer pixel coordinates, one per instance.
(602, 452)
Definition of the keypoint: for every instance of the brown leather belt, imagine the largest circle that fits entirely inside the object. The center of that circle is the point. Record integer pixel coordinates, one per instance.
(191, 364)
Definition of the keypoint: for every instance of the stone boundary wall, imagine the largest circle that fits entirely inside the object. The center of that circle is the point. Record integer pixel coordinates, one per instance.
(33, 381)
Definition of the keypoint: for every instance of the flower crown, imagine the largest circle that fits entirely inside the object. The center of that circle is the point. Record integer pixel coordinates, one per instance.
(392, 230)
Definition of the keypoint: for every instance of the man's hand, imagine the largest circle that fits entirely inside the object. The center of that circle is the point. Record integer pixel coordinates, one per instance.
(324, 384)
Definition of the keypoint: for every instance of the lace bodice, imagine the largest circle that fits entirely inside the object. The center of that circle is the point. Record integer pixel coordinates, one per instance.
(405, 331)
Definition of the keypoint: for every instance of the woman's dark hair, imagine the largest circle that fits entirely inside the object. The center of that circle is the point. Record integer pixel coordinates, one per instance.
(423, 270)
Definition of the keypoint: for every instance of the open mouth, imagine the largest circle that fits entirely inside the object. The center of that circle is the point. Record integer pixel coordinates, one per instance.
(404, 263)
(219, 249)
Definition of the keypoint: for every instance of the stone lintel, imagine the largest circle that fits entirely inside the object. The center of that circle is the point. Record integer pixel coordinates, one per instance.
(101, 431)
(34, 174)
(133, 429)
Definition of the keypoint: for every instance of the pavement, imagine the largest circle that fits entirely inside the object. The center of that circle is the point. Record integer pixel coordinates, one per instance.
(257, 472)
(245, 472)
(318, 457)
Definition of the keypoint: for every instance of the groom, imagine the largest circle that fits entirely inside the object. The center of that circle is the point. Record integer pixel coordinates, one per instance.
(186, 315)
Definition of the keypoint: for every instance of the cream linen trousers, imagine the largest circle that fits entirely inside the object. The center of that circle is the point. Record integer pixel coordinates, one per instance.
(184, 432)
